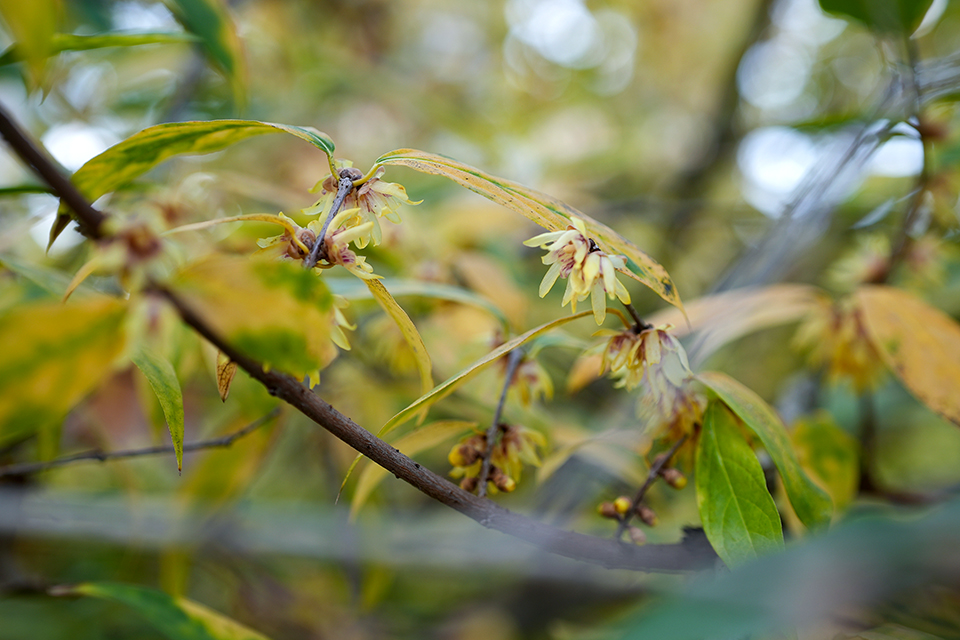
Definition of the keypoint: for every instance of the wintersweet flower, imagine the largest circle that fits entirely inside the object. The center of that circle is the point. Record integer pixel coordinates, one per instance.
(372, 200)
(337, 244)
(340, 323)
(517, 446)
(588, 270)
(655, 360)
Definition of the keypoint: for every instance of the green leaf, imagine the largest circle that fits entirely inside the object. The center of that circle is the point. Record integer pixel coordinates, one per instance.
(738, 513)
(142, 151)
(887, 16)
(210, 22)
(69, 42)
(830, 454)
(33, 25)
(353, 289)
(407, 328)
(546, 211)
(272, 310)
(424, 438)
(163, 380)
(810, 502)
(51, 356)
(176, 618)
(449, 385)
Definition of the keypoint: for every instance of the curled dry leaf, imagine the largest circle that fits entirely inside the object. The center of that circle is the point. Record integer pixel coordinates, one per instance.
(226, 369)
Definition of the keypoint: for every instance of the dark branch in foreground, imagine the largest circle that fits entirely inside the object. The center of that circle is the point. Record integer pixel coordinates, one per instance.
(29, 468)
(691, 554)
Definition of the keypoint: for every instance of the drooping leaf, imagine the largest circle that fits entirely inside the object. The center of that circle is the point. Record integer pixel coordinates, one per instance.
(226, 369)
(738, 513)
(70, 42)
(885, 16)
(273, 310)
(811, 503)
(407, 329)
(51, 356)
(424, 438)
(919, 343)
(176, 618)
(830, 454)
(163, 380)
(211, 23)
(449, 385)
(142, 151)
(33, 25)
(353, 289)
(548, 212)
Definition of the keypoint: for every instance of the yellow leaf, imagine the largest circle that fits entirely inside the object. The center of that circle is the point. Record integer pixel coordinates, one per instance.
(919, 343)
(407, 328)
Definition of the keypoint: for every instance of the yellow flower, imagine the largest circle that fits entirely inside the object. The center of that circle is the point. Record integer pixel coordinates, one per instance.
(370, 201)
(289, 245)
(517, 446)
(338, 241)
(588, 270)
(340, 323)
(655, 360)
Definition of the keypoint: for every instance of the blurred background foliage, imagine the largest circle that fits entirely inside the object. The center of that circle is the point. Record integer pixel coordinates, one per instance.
(739, 142)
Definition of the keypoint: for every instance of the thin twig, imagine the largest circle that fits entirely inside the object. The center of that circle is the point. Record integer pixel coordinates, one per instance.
(29, 468)
(655, 470)
(640, 325)
(513, 360)
(344, 187)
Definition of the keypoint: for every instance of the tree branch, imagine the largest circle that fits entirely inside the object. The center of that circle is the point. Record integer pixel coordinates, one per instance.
(29, 468)
(513, 360)
(693, 553)
(655, 469)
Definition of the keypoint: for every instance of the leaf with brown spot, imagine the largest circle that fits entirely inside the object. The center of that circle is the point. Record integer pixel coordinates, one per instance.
(226, 369)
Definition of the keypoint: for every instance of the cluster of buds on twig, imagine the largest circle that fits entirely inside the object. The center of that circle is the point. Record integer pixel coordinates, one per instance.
(517, 446)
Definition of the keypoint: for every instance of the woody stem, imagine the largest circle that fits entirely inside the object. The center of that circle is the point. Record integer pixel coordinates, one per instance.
(344, 187)
(513, 360)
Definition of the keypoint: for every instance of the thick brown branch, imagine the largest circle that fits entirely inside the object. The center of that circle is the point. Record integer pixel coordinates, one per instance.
(29, 468)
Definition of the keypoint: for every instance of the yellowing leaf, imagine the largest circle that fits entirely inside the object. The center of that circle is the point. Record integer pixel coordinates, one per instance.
(407, 328)
(919, 343)
(809, 501)
(830, 454)
(51, 356)
(163, 380)
(424, 438)
(449, 385)
(226, 369)
(33, 25)
(175, 618)
(546, 211)
(142, 151)
(738, 513)
(273, 310)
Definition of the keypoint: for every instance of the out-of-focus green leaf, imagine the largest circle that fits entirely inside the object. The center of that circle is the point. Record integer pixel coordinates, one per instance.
(211, 23)
(424, 438)
(20, 189)
(546, 211)
(738, 513)
(407, 329)
(449, 385)
(176, 618)
(810, 502)
(33, 25)
(273, 310)
(142, 151)
(920, 345)
(69, 42)
(163, 380)
(50, 280)
(887, 16)
(51, 356)
(353, 289)
(830, 454)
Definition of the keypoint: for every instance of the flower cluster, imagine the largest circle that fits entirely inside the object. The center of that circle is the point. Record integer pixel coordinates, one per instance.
(517, 446)
(656, 360)
(588, 270)
(838, 341)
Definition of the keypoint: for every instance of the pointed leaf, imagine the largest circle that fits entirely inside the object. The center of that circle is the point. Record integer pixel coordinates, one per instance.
(546, 211)
(142, 151)
(424, 438)
(70, 42)
(407, 328)
(919, 343)
(211, 23)
(175, 618)
(163, 380)
(273, 310)
(33, 25)
(226, 369)
(449, 385)
(738, 513)
(811, 503)
(51, 356)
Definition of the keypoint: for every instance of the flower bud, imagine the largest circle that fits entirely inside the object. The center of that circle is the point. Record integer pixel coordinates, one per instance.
(607, 510)
(622, 505)
(469, 484)
(648, 515)
(637, 535)
(674, 478)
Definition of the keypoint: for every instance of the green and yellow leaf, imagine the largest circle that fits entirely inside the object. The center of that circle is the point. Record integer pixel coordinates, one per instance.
(738, 514)
(544, 210)
(407, 329)
(830, 454)
(163, 380)
(810, 502)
